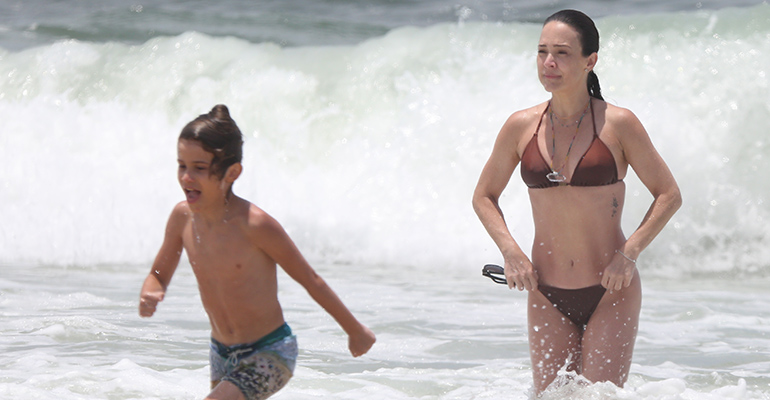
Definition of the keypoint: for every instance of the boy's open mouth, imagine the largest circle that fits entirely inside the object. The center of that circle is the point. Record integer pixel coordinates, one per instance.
(192, 195)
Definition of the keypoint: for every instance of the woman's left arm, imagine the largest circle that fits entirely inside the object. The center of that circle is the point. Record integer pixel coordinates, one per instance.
(649, 166)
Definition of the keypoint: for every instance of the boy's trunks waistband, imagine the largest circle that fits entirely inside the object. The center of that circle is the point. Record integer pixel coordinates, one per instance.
(280, 333)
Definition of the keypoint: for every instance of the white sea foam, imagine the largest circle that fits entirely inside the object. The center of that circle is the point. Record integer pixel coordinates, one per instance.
(441, 335)
(369, 153)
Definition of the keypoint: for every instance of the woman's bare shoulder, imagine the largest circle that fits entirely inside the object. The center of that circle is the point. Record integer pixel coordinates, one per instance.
(621, 117)
(527, 116)
(523, 122)
(628, 132)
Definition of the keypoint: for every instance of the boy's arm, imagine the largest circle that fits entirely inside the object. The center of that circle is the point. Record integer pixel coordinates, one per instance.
(274, 241)
(154, 287)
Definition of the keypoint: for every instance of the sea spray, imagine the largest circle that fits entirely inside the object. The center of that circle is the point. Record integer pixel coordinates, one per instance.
(369, 153)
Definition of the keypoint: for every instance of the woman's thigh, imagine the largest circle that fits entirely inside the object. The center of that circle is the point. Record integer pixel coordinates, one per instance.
(553, 341)
(608, 341)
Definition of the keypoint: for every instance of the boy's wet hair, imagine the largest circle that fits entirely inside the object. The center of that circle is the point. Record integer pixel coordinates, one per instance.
(219, 135)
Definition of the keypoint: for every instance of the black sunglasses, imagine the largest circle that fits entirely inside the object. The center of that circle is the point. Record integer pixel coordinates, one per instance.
(494, 272)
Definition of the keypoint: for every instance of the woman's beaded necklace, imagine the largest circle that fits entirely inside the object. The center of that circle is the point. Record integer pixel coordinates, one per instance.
(554, 175)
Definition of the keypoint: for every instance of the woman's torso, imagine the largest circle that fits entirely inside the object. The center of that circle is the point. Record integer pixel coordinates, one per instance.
(577, 223)
(577, 230)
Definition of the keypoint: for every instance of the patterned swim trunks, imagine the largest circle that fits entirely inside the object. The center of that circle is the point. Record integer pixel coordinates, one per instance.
(258, 369)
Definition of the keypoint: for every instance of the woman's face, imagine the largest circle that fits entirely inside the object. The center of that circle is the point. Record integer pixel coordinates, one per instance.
(560, 62)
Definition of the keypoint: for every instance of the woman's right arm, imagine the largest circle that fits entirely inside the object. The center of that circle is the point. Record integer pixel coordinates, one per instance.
(154, 287)
(494, 178)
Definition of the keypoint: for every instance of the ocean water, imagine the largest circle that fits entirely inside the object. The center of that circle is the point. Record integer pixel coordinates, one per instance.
(366, 126)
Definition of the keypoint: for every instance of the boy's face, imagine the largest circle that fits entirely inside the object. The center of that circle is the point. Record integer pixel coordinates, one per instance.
(201, 187)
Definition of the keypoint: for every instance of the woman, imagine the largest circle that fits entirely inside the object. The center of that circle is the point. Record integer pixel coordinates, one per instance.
(584, 293)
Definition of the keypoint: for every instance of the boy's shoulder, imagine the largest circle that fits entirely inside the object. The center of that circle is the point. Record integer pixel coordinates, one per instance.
(258, 217)
(181, 208)
(180, 214)
(258, 220)
(261, 228)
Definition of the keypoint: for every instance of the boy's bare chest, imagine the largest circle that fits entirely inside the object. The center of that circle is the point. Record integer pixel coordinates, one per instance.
(219, 249)
(227, 266)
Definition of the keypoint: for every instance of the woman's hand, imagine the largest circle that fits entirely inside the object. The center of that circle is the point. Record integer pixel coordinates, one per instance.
(520, 273)
(619, 273)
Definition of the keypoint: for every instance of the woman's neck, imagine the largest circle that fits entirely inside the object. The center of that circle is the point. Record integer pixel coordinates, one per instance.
(569, 106)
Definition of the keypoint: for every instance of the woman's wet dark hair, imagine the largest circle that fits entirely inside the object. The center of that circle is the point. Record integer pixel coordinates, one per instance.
(589, 40)
(219, 135)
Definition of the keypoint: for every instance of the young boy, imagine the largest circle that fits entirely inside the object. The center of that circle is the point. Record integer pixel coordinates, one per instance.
(233, 247)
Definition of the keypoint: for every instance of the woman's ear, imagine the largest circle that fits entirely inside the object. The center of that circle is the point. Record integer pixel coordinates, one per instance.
(592, 59)
(233, 172)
